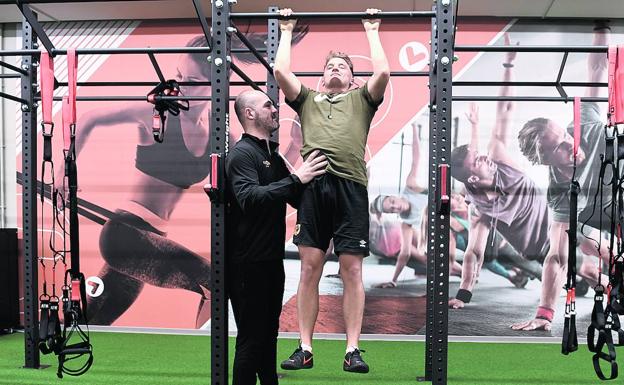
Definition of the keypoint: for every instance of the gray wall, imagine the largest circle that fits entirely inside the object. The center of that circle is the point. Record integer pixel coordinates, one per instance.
(8, 118)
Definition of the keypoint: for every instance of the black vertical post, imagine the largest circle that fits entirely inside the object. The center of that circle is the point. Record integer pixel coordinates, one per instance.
(219, 130)
(29, 200)
(271, 49)
(441, 132)
(271, 44)
(431, 213)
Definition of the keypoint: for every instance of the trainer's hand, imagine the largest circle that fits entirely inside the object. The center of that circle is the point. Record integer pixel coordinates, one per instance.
(534, 324)
(386, 285)
(371, 24)
(455, 303)
(313, 166)
(287, 24)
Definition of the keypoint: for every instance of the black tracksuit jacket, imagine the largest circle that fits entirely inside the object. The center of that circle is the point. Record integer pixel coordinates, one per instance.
(258, 187)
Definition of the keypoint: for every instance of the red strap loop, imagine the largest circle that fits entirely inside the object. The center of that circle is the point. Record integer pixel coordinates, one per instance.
(577, 124)
(616, 85)
(214, 180)
(46, 73)
(69, 101)
(75, 290)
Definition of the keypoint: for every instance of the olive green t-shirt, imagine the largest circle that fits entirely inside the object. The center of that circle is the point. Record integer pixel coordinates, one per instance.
(338, 126)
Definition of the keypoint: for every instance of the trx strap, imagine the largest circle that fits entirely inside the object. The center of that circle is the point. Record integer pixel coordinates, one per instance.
(162, 106)
(604, 321)
(49, 324)
(569, 341)
(74, 290)
(53, 337)
(599, 331)
(616, 85)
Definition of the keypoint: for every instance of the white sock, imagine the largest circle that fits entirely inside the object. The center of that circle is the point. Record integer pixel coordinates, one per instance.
(305, 347)
(351, 349)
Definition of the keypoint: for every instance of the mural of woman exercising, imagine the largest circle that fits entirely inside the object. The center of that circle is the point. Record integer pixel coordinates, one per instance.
(133, 242)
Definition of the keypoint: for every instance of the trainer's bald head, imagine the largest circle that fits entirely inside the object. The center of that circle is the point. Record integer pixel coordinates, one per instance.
(256, 113)
(247, 99)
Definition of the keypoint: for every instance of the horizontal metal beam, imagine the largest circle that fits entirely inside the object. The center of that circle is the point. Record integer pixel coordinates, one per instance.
(10, 76)
(119, 51)
(469, 83)
(393, 73)
(531, 48)
(241, 36)
(132, 98)
(333, 15)
(13, 98)
(13, 68)
(150, 84)
(524, 99)
(246, 78)
(12, 2)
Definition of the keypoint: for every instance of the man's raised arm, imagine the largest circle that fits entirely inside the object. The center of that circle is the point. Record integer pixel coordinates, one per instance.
(286, 79)
(381, 68)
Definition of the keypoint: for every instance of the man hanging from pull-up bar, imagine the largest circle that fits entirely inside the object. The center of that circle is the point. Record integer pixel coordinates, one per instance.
(334, 205)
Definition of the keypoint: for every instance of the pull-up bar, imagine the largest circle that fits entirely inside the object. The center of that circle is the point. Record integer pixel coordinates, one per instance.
(12, 2)
(152, 84)
(333, 15)
(121, 51)
(469, 83)
(525, 99)
(532, 48)
(133, 98)
(392, 73)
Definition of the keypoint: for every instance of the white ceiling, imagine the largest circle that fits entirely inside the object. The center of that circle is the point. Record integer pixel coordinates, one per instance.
(160, 9)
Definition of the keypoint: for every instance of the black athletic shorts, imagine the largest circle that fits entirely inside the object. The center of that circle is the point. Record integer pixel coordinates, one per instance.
(333, 207)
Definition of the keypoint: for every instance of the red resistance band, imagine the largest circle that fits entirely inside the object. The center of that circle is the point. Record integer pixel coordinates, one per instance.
(616, 85)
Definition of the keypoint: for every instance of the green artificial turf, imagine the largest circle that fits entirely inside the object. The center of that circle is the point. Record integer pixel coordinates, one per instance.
(173, 359)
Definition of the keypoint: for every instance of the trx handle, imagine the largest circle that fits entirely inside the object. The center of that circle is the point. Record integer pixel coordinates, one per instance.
(75, 312)
(616, 296)
(596, 345)
(72, 352)
(162, 106)
(617, 327)
(44, 319)
(50, 336)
